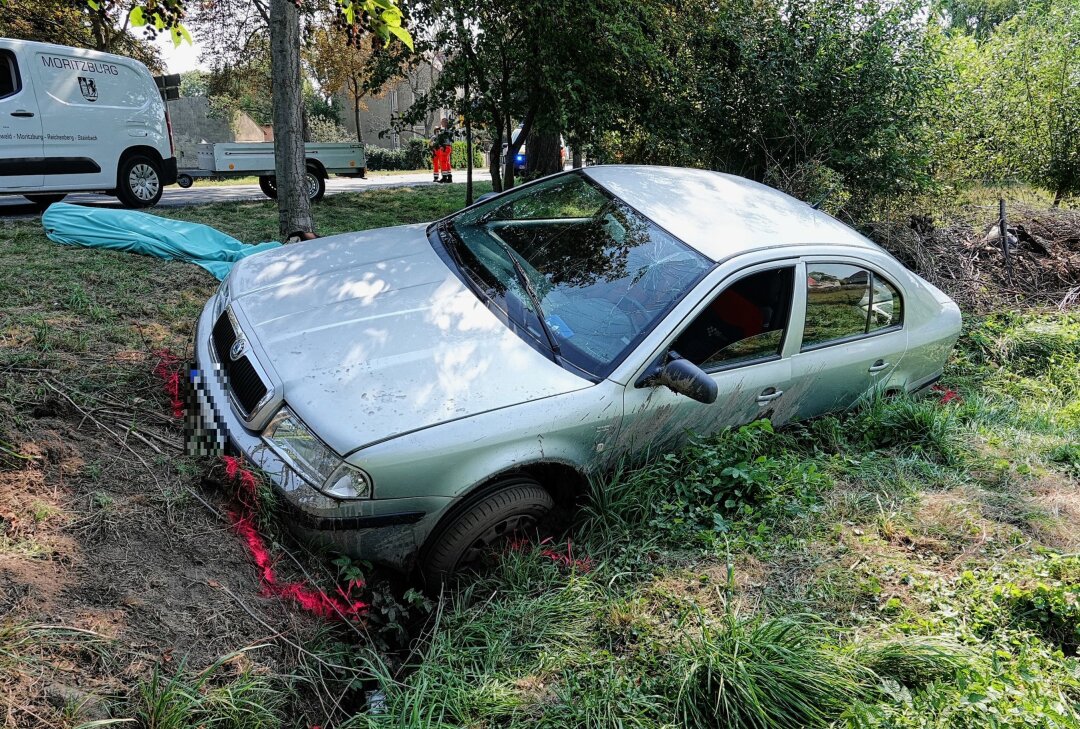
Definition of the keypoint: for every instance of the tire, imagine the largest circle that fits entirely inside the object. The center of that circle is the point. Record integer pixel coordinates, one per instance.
(268, 185)
(42, 202)
(512, 504)
(138, 184)
(185, 181)
(315, 184)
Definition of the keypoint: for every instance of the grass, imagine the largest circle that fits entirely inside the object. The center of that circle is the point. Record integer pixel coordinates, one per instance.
(905, 564)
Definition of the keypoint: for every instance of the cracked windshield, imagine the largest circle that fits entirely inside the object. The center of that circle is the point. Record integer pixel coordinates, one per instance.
(600, 274)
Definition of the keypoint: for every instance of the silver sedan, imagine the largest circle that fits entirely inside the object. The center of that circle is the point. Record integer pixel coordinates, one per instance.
(417, 393)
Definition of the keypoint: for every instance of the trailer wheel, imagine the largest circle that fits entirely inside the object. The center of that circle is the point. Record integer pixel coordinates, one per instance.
(268, 185)
(315, 185)
(139, 183)
(185, 181)
(42, 202)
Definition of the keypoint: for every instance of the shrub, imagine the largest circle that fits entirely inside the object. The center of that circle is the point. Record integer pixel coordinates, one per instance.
(418, 154)
(379, 158)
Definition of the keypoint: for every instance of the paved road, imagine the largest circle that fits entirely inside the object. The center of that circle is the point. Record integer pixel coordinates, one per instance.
(15, 206)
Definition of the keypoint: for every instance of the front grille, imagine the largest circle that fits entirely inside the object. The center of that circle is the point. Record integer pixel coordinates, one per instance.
(246, 385)
(224, 337)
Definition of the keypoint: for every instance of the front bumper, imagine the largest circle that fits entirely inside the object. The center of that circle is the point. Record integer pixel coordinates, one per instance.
(389, 531)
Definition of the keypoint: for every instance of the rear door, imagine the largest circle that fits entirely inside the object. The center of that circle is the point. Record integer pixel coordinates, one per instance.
(20, 127)
(738, 337)
(853, 334)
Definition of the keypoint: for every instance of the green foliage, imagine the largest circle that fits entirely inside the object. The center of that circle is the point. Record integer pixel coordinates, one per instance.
(416, 155)
(1012, 107)
(767, 673)
(208, 699)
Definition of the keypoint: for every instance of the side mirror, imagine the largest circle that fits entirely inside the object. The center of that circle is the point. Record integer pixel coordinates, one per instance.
(485, 196)
(686, 378)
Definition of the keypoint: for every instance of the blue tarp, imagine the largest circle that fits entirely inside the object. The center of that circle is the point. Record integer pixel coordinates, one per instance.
(124, 230)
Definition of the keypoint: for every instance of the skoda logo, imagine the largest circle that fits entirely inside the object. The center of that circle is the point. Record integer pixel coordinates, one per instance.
(236, 351)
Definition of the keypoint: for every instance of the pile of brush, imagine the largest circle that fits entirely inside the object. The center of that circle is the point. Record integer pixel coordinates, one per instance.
(967, 262)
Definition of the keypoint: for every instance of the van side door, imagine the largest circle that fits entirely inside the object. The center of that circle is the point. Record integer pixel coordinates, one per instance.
(20, 127)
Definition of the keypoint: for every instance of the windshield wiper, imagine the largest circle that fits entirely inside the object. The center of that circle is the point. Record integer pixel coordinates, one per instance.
(526, 283)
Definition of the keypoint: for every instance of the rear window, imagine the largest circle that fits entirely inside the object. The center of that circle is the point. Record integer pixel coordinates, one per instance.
(9, 75)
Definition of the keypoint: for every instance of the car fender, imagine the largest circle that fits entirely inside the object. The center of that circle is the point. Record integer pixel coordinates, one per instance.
(449, 460)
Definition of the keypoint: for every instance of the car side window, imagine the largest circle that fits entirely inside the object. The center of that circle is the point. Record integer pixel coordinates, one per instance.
(886, 307)
(746, 322)
(845, 301)
(9, 75)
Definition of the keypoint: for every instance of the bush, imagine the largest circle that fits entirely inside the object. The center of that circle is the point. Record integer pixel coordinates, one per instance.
(379, 158)
(416, 155)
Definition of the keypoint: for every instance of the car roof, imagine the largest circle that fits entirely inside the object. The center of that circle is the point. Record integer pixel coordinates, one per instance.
(69, 50)
(722, 215)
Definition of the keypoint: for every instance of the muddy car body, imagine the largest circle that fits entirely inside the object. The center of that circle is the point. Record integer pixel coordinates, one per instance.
(409, 403)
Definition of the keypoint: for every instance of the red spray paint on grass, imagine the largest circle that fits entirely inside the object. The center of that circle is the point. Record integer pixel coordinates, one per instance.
(947, 395)
(566, 559)
(344, 605)
(168, 369)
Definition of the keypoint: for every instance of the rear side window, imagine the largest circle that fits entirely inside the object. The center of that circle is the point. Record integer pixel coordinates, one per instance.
(9, 75)
(744, 323)
(844, 301)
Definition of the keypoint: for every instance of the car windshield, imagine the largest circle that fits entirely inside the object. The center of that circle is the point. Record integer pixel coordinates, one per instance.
(602, 273)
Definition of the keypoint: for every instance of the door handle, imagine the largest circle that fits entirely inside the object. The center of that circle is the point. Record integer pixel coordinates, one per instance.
(768, 395)
(22, 113)
(878, 366)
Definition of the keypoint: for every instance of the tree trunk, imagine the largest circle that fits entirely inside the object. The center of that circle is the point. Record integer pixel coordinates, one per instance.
(294, 209)
(515, 144)
(494, 153)
(544, 155)
(1058, 197)
(356, 110)
(468, 145)
(577, 158)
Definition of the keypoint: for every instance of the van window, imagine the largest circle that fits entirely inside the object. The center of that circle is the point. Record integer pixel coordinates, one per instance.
(9, 75)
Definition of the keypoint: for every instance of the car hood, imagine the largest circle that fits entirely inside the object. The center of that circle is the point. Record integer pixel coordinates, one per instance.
(372, 336)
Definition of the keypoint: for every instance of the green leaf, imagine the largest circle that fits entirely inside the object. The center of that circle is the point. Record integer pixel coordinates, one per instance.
(403, 35)
(93, 4)
(137, 17)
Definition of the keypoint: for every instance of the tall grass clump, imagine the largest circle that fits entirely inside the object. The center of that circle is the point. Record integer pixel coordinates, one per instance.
(760, 674)
(907, 424)
(208, 699)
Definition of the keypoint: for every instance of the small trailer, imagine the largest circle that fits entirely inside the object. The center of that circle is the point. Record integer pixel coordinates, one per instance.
(241, 159)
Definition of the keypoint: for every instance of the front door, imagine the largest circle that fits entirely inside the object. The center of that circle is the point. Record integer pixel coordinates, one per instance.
(738, 339)
(20, 128)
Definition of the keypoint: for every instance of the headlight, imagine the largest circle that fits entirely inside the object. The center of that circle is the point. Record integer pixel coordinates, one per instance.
(222, 298)
(313, 459)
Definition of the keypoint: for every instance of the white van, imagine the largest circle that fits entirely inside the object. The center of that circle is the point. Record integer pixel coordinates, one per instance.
(76, 120)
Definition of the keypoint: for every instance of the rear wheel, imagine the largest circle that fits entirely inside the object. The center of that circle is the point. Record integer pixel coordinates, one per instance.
(139, 183)
(42, 202)
(513, 504)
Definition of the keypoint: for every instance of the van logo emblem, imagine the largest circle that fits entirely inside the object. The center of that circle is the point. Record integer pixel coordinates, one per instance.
(236, 351)
(88, 87)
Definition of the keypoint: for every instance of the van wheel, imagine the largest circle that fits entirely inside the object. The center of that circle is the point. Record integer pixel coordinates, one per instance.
(514, 504)
(139, 182)
(268, 185)
(42, 202)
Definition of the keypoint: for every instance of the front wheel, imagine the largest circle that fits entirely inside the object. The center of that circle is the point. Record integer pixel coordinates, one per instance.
(512, 505)
(139, 183)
